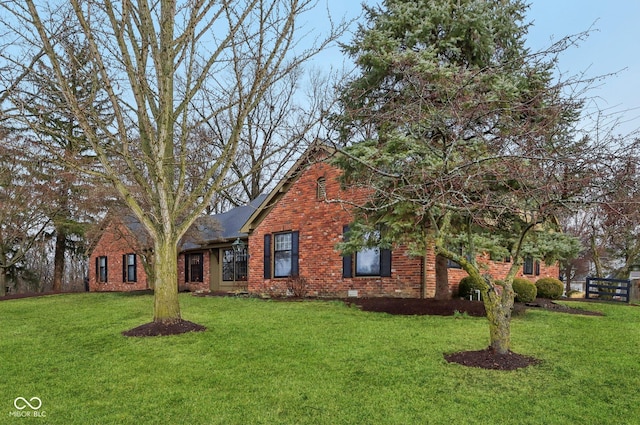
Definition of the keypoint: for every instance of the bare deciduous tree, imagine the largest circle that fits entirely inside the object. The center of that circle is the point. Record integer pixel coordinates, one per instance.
(167, 67)
(22, 221)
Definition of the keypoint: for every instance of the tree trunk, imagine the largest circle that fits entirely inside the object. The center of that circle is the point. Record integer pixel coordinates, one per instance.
(3, 281)
(595, 255)
(568, 271)
(442, 279)
(58, 259)
(498, 308)
(166, 304)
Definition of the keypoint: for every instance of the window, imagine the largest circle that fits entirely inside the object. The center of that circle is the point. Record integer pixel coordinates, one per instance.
(321, 189)
(527, 267)
(234, 265)
(368, 261)
(129, 268)
(452, 264)
(282, 255)
(193, 267)
(101, 269)
(285, 254)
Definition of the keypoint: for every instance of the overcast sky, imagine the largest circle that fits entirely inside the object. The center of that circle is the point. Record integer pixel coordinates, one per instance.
(613, 45)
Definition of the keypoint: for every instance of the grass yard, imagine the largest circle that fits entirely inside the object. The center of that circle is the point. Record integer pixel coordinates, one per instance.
(263, 362)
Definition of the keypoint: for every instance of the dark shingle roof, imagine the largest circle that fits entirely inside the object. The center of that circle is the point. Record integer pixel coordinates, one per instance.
(205, 230)
(224, 227)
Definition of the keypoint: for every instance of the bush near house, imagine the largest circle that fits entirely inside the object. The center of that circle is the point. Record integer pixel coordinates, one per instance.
(549, 287)
(468, 287)
(525, 290)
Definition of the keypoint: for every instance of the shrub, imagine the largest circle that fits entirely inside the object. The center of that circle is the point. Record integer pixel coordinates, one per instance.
(468, 287)
(297, 286)
(549, 287)
(525, 290)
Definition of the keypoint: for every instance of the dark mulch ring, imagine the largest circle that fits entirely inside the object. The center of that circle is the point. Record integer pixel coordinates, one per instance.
(489, 359)
(413, 306)
(164, 329)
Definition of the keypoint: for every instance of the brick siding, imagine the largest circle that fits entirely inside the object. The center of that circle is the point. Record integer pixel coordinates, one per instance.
(320, 225)
(115, 241)
(194, 286)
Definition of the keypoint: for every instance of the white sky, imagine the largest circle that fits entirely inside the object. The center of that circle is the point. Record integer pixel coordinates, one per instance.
(612, 47)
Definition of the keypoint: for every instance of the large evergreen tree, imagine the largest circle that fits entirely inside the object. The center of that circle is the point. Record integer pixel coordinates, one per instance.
(462, 138)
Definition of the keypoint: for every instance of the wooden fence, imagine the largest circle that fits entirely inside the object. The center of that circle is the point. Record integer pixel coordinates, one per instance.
(608, 289)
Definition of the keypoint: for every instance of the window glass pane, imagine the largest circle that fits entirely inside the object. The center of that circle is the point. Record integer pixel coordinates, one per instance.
(241, 265)
(195, 268)
(527, 268)
(103, 268)
(227, 265)
(282, 263)
(283, 242)
(131, 267)
(368, 262)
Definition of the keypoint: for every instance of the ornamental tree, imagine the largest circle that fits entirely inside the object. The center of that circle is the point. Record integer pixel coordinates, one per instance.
(461, 136)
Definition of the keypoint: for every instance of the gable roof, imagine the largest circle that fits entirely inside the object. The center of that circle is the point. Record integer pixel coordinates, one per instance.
(216, 228)
(317, 151)
(224, 226)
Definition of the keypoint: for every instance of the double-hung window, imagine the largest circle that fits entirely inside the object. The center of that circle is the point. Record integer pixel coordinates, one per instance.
(531, 267)
(282, 248)
(101, 269)
(129, 268)
(281, 253)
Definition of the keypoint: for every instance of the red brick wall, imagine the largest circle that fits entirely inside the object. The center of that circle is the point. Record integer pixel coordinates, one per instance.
(116, 241)
(320, 226)
(194, 286)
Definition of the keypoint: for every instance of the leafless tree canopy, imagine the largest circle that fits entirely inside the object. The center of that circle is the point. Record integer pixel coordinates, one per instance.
(165, 69)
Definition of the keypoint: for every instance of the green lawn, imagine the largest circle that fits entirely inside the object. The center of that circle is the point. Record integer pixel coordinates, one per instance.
(264, 362)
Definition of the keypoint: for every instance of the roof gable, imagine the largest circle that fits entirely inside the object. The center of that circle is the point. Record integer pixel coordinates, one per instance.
(317, 151)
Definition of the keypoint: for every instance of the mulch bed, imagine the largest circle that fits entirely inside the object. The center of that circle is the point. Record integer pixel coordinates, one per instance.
(489, 359)
(164, 329)
(431, 307)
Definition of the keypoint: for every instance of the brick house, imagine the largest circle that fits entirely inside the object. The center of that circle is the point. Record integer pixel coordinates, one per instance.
(294, 232)
(291, 232)
(213, 254)
(116, 261)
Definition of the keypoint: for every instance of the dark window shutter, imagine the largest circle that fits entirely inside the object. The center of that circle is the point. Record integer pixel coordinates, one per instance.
(106, 269)
(187, 260)
(385, 262)
(124, 267)
(537, 265)
(295, 253)
(267, 256)
(135, 267)
(347, 259)
(97, 269)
